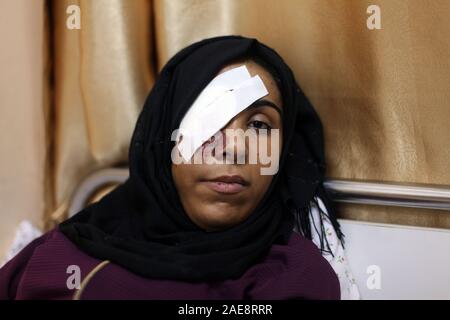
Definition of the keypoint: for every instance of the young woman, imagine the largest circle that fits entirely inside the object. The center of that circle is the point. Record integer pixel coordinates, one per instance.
(211, 229)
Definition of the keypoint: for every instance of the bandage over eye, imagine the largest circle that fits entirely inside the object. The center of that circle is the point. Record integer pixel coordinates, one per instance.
(222, 99)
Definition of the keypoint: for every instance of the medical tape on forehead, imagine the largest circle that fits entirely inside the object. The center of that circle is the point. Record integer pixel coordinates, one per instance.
(222, 99)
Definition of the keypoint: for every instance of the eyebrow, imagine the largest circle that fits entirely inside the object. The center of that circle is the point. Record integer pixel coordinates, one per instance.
(266, 103)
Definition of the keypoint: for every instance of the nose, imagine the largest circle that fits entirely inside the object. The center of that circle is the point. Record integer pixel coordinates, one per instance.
(235, 147)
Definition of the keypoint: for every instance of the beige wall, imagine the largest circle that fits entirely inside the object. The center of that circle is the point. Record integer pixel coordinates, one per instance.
(22, 115)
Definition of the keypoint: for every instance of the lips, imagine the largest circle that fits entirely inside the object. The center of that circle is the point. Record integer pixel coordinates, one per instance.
(227, 184)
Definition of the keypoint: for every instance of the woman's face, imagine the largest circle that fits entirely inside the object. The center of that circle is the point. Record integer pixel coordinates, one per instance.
(218, 196)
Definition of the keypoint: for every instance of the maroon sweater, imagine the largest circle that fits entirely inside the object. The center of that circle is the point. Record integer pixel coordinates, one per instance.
(41, 271)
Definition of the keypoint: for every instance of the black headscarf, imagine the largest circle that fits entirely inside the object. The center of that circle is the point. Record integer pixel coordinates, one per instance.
(141, 225)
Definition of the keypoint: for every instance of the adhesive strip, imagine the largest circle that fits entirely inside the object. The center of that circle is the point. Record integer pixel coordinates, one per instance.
(223, 98)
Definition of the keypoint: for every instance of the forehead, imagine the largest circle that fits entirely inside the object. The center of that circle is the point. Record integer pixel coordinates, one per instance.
(268, 80)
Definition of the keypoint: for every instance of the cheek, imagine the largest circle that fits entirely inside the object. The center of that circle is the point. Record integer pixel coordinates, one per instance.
(183, 178)
(260, 183)
(186, 178)
(274, 140)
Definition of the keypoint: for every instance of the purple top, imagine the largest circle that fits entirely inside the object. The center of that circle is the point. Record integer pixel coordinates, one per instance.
(40, 271)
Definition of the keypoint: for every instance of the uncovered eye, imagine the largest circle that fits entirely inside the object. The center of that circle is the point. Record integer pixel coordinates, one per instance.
(259, 125)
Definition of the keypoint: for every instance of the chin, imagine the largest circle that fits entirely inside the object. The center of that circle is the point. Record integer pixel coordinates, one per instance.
(217, 219)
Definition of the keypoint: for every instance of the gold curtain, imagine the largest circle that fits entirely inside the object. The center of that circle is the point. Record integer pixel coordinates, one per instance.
(382, 94)
(102, 74)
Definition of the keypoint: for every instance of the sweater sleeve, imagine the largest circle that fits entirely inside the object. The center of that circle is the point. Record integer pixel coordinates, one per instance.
(11, 273)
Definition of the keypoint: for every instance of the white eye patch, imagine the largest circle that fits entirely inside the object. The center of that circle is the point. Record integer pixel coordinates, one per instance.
(223, 98)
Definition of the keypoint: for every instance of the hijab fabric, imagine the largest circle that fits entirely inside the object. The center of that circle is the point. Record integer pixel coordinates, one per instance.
(141, 225)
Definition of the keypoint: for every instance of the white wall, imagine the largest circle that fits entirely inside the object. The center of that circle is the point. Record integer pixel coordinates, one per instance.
(414, 262)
